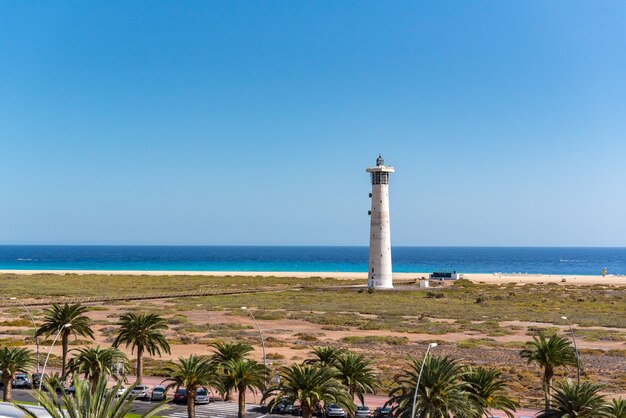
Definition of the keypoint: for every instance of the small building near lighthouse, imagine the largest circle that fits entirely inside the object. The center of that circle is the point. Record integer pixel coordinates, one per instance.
(379, 273)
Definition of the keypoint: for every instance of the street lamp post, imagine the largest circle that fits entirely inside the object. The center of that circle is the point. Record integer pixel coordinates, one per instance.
(260, 334)
(431, 345)
(43, 371)
(571, 330)
(34, 327)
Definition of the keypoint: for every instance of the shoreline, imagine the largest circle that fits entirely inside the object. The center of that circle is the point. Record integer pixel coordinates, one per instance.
(491, 278)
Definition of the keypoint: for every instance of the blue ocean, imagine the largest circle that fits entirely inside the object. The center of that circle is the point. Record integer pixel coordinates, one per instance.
(552, 260)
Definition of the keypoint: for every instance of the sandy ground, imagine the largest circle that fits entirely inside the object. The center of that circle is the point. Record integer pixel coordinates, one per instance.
(476, 277)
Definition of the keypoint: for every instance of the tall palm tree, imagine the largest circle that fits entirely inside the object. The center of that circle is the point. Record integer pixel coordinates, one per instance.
(57, 318)
(441, 392)
(572, 400)
(549, 354)
(12, 361)
(88, 402)
(326, 355)
(489, 390)
(191, 373)
(144, 333)
(618, 408)
(223, 353)
(244, 374)
(357, 374)
(94, 362)
(309, 385)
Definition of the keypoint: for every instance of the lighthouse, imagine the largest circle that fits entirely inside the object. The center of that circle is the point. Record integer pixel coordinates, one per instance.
(379, 273)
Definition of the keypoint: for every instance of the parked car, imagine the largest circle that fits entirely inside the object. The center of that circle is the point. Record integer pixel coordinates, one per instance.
(297, 411)
(362, 411)
(278, 408)
(202, 396)
(21, 381)
(36, 379)
(288, 409)
(180, 396)
(334, 410)
(140, 392)
(158, 393)
(382, 412)
(120, 391)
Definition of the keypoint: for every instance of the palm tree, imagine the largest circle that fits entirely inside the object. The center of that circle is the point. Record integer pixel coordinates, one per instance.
(549, 354)
(326, 355)
(577, 401)
(67, 319)
(12, 361)
(144, 333)
(225, 352)
(88, 402)
(618, 408)
(222, 354)
(489, 390)
(191, 373)
(357, 374)
(441, 392)
(244, 374)
(309, 385)
(94, 362)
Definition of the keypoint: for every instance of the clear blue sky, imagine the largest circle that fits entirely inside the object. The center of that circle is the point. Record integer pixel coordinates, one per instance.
(229, 122)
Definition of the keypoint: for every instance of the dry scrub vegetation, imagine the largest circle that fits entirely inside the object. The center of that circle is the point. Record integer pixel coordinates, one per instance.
(478, 323)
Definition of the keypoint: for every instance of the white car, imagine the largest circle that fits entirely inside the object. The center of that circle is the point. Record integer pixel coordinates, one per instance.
(158, 393)
(362, 411)
(140, 392)
(121, 391)
(333, 410)
(202, 396)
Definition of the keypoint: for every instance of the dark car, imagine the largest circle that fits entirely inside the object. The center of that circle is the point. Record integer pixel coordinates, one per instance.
(382, 412)
(180, 396)
(36, 379)
(278, 408)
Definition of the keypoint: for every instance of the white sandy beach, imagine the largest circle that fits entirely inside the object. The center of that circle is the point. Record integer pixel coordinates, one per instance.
(475, 277)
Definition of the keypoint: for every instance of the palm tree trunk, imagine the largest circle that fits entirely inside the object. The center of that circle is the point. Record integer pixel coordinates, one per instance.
(94, 382)
(242, 403)
(65, 342)
(139, 365)
(6, 395)
(306, 412)
(547, 386)
(191, 405)
(351, 391)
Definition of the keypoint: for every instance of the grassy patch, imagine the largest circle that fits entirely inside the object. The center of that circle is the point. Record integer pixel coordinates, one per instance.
(475, 342)
(9, 342)
(305, 337)
(274, 356)
(599, 335)
(375, 339)
(16, 323)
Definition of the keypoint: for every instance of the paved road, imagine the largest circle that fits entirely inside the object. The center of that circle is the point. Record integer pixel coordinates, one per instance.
(216, 409)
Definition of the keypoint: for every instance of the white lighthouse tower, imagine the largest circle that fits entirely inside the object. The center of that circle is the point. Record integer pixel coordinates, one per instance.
(379, 274)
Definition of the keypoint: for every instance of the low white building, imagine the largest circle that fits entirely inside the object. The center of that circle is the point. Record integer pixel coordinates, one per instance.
(445, 276)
